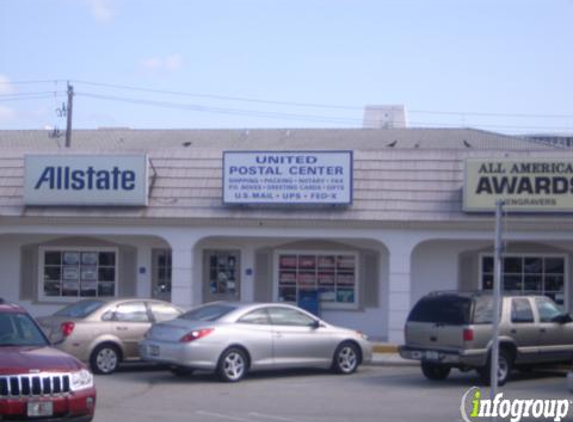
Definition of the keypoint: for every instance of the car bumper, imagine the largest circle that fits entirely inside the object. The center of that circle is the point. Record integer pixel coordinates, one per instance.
(473, 358)
(75, 348)
(196, 355)
(75, 407)
(367, 351)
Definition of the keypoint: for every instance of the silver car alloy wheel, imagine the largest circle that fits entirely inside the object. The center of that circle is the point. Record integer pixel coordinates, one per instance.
(234, 366)
(106, 360)
(347, 359)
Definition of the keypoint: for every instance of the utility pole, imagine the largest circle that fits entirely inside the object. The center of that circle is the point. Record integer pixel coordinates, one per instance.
(496, 298)
(69, 114)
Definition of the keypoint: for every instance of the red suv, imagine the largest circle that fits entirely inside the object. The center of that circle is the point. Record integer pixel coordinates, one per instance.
(38, 382)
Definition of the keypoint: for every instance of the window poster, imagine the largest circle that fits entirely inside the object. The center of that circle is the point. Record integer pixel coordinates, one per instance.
(71, 258)
(71, 273)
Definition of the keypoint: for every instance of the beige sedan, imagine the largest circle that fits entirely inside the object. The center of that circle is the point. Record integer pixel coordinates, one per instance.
(104, 332)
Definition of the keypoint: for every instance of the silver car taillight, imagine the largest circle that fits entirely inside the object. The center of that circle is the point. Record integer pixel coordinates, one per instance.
(196, 334)
(67, 328)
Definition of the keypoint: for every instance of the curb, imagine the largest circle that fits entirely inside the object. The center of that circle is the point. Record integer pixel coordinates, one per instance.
(391, 359)
(385, 348)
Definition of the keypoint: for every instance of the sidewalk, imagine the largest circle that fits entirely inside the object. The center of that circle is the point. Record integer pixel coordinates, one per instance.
(387, 354)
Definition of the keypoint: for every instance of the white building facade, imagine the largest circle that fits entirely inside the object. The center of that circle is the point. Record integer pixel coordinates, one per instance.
(400, 228)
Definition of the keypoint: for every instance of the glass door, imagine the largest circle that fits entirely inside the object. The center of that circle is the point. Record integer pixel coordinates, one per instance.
(222, 275)
(161, 280)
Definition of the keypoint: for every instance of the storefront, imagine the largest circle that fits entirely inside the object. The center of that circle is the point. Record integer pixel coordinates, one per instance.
(365, 224)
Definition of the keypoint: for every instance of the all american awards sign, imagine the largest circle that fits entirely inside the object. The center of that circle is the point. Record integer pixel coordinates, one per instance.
(287, 177)
(79, 180)
(525, 185)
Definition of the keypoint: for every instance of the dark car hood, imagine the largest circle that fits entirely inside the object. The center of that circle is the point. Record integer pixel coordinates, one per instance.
(26, 359)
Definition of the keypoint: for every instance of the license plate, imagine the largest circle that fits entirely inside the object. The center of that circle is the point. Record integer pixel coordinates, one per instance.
(154, 350)
(432, 355)
(40, 408)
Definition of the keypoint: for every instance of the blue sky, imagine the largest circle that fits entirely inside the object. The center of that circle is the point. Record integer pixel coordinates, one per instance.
(500, 65)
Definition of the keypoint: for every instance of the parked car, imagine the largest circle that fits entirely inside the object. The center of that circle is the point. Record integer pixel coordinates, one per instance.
(233, 339)
(104, 332)
(448, 330)
(38, 381)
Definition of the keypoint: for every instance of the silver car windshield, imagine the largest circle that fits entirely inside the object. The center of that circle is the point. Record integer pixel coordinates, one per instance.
(208, 313)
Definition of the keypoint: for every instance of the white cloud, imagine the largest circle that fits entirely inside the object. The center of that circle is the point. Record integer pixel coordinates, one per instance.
(152, 63)
(6, 87)
(169, 63)
(101, 10)
(173, 62)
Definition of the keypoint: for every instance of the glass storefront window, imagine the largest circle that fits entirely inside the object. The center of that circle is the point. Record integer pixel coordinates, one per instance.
(78, 273)
(332, 275)
(528, 274)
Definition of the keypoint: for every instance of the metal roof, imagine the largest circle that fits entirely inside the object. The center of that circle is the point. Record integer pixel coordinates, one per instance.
(419, 179)
(256, 139)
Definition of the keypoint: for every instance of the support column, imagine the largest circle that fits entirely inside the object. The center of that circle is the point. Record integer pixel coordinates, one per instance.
(399, 290)
(247, 273)
(144, 276)
(182, 266)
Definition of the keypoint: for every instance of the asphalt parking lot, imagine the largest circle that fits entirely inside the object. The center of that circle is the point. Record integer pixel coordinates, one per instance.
(374, 393)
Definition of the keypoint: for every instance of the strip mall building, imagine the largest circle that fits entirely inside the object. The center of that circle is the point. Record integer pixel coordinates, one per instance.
(364, 220)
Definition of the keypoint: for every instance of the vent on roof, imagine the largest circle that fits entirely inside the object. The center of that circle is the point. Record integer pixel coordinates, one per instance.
(384, 117)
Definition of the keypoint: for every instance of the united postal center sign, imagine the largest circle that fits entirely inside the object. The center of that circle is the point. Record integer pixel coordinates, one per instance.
(79, 180)
(287, 177)
(524, 184)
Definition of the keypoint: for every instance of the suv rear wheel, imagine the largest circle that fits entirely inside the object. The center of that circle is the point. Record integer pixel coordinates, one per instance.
(435, 371)
(505, 364)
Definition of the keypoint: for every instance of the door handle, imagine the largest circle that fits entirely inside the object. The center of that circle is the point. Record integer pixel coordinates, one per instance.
(278, 335)
(121, 328)
(513, 331)
(542, 330)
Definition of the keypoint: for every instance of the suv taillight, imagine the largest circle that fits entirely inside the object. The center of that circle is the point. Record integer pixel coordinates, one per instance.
(468, 334)
(67, 328)
(196, 335)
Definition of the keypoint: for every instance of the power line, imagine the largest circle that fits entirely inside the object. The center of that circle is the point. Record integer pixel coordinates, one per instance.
(25, 94)
(485, 114)
(217, 97)
(221, 110)
(31, 97)
(41, 95)
(316, 105)
(292, 104)
(292, 116)
(50, 81)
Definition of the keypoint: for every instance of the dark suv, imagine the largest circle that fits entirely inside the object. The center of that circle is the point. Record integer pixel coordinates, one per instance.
(38, 382)
(448, 330)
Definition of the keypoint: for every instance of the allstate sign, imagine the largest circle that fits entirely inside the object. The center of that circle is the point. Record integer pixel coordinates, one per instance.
(120, 180)
(287, 177)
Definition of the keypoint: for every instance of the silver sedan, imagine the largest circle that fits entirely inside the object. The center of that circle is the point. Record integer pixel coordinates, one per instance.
(232, 339)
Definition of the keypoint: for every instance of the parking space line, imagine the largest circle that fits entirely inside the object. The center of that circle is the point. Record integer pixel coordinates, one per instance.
(273, 417)
(222, 416)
